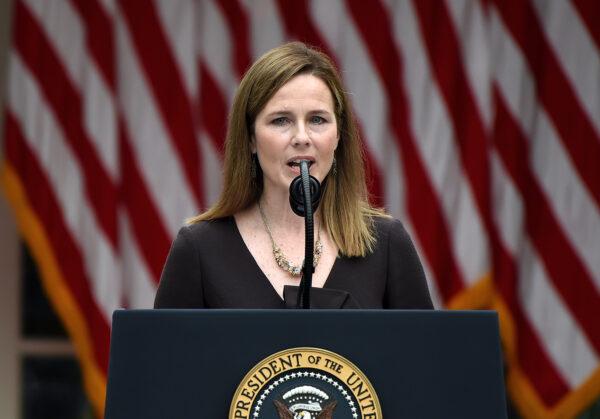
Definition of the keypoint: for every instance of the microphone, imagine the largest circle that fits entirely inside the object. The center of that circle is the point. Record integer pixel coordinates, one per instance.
(297, 201)
(305, 194)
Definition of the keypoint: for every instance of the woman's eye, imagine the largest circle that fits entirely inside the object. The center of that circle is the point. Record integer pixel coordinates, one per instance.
(317, 120)
(282, 120)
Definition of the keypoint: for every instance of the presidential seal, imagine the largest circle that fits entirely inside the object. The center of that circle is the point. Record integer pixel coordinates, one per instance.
(305, 383)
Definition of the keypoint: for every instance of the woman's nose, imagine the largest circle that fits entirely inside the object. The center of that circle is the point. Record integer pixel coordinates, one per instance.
(301, 135)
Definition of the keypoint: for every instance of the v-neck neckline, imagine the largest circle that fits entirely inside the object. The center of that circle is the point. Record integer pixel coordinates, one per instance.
(261, 272)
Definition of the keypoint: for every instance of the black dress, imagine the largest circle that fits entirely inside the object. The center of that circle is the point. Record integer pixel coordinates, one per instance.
(210, 266)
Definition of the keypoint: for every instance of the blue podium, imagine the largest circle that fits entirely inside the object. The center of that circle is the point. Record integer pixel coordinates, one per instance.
(300, 364)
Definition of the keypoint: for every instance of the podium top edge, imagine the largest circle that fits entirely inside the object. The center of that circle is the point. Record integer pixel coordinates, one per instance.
(312, 312)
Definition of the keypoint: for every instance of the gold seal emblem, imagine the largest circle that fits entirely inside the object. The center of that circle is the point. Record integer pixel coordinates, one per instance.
(305, 383)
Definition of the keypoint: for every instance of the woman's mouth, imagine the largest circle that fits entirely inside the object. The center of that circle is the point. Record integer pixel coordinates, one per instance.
(296, 163)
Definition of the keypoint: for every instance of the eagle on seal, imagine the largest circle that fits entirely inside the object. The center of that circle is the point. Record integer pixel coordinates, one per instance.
(285, 413)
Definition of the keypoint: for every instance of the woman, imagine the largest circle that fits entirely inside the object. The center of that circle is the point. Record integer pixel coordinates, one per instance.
(247, 250)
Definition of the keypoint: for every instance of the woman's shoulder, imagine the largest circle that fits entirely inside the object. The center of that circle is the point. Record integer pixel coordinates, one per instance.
(206, 229)
(386, 225)
(391, 234)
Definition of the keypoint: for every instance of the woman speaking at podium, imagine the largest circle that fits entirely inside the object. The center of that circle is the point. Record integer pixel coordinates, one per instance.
(247, 250)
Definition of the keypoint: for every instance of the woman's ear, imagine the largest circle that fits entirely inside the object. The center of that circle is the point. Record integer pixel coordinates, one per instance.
(253, 144)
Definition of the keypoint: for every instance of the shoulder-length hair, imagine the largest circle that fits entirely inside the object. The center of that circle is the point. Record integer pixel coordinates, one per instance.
(345, 209)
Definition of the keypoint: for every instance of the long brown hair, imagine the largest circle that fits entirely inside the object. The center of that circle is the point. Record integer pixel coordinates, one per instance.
(345, 209)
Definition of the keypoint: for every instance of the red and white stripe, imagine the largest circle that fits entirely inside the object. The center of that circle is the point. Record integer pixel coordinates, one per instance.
(481, 123)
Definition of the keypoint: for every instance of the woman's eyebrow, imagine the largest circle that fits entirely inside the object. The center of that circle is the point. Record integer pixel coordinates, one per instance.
(284, 112)
(279, 113)
(319, 110)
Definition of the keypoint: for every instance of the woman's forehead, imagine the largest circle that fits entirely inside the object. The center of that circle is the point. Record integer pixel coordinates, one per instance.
(304, 90)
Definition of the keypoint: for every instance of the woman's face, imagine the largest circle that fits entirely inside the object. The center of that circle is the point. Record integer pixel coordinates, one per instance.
(297, 123)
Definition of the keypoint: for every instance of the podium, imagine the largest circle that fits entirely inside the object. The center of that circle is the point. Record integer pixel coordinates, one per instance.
(263, 364)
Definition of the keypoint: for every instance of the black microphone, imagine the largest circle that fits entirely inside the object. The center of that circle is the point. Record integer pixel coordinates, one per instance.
(305, 194)
(297, 192)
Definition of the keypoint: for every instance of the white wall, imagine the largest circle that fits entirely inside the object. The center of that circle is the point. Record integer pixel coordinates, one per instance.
(9, 264)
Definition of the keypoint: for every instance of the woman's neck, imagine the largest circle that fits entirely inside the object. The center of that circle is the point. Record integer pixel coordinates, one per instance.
(279, 214)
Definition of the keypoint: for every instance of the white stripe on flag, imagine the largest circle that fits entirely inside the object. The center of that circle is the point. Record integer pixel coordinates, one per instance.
(63, 29)
(138, 283)
(472, 31)
(266, 25)
(567, 346)
(155, 152)
(575, 51)
(211, 163)
(178, 22)
(508, 206)
(216, 49)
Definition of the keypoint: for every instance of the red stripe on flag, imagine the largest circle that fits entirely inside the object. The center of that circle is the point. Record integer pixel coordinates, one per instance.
(165, 80)
(533, 360)
(153, 243)
(42, 61)
(44, 203)
(238, 25)
(443, 51)
(213, 108)
(424, 207)
(299, 25)
(99, 37)
(563, 265)
(150, 233)
(589, 12)
(555, 92)
(530, 354)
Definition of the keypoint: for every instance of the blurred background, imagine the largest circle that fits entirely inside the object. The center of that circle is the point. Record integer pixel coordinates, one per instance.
(481, 124)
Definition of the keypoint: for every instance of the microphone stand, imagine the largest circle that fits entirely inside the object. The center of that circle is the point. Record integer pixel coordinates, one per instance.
(308, 269)
(304, 204)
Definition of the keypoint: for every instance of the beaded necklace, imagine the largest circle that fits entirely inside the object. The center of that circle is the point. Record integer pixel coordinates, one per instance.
(281, 259)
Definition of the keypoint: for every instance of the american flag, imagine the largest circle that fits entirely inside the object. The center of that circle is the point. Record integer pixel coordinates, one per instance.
(481, 122)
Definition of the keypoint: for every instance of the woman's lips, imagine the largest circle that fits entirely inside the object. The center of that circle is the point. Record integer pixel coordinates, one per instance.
(295, 168)
(296, 163)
